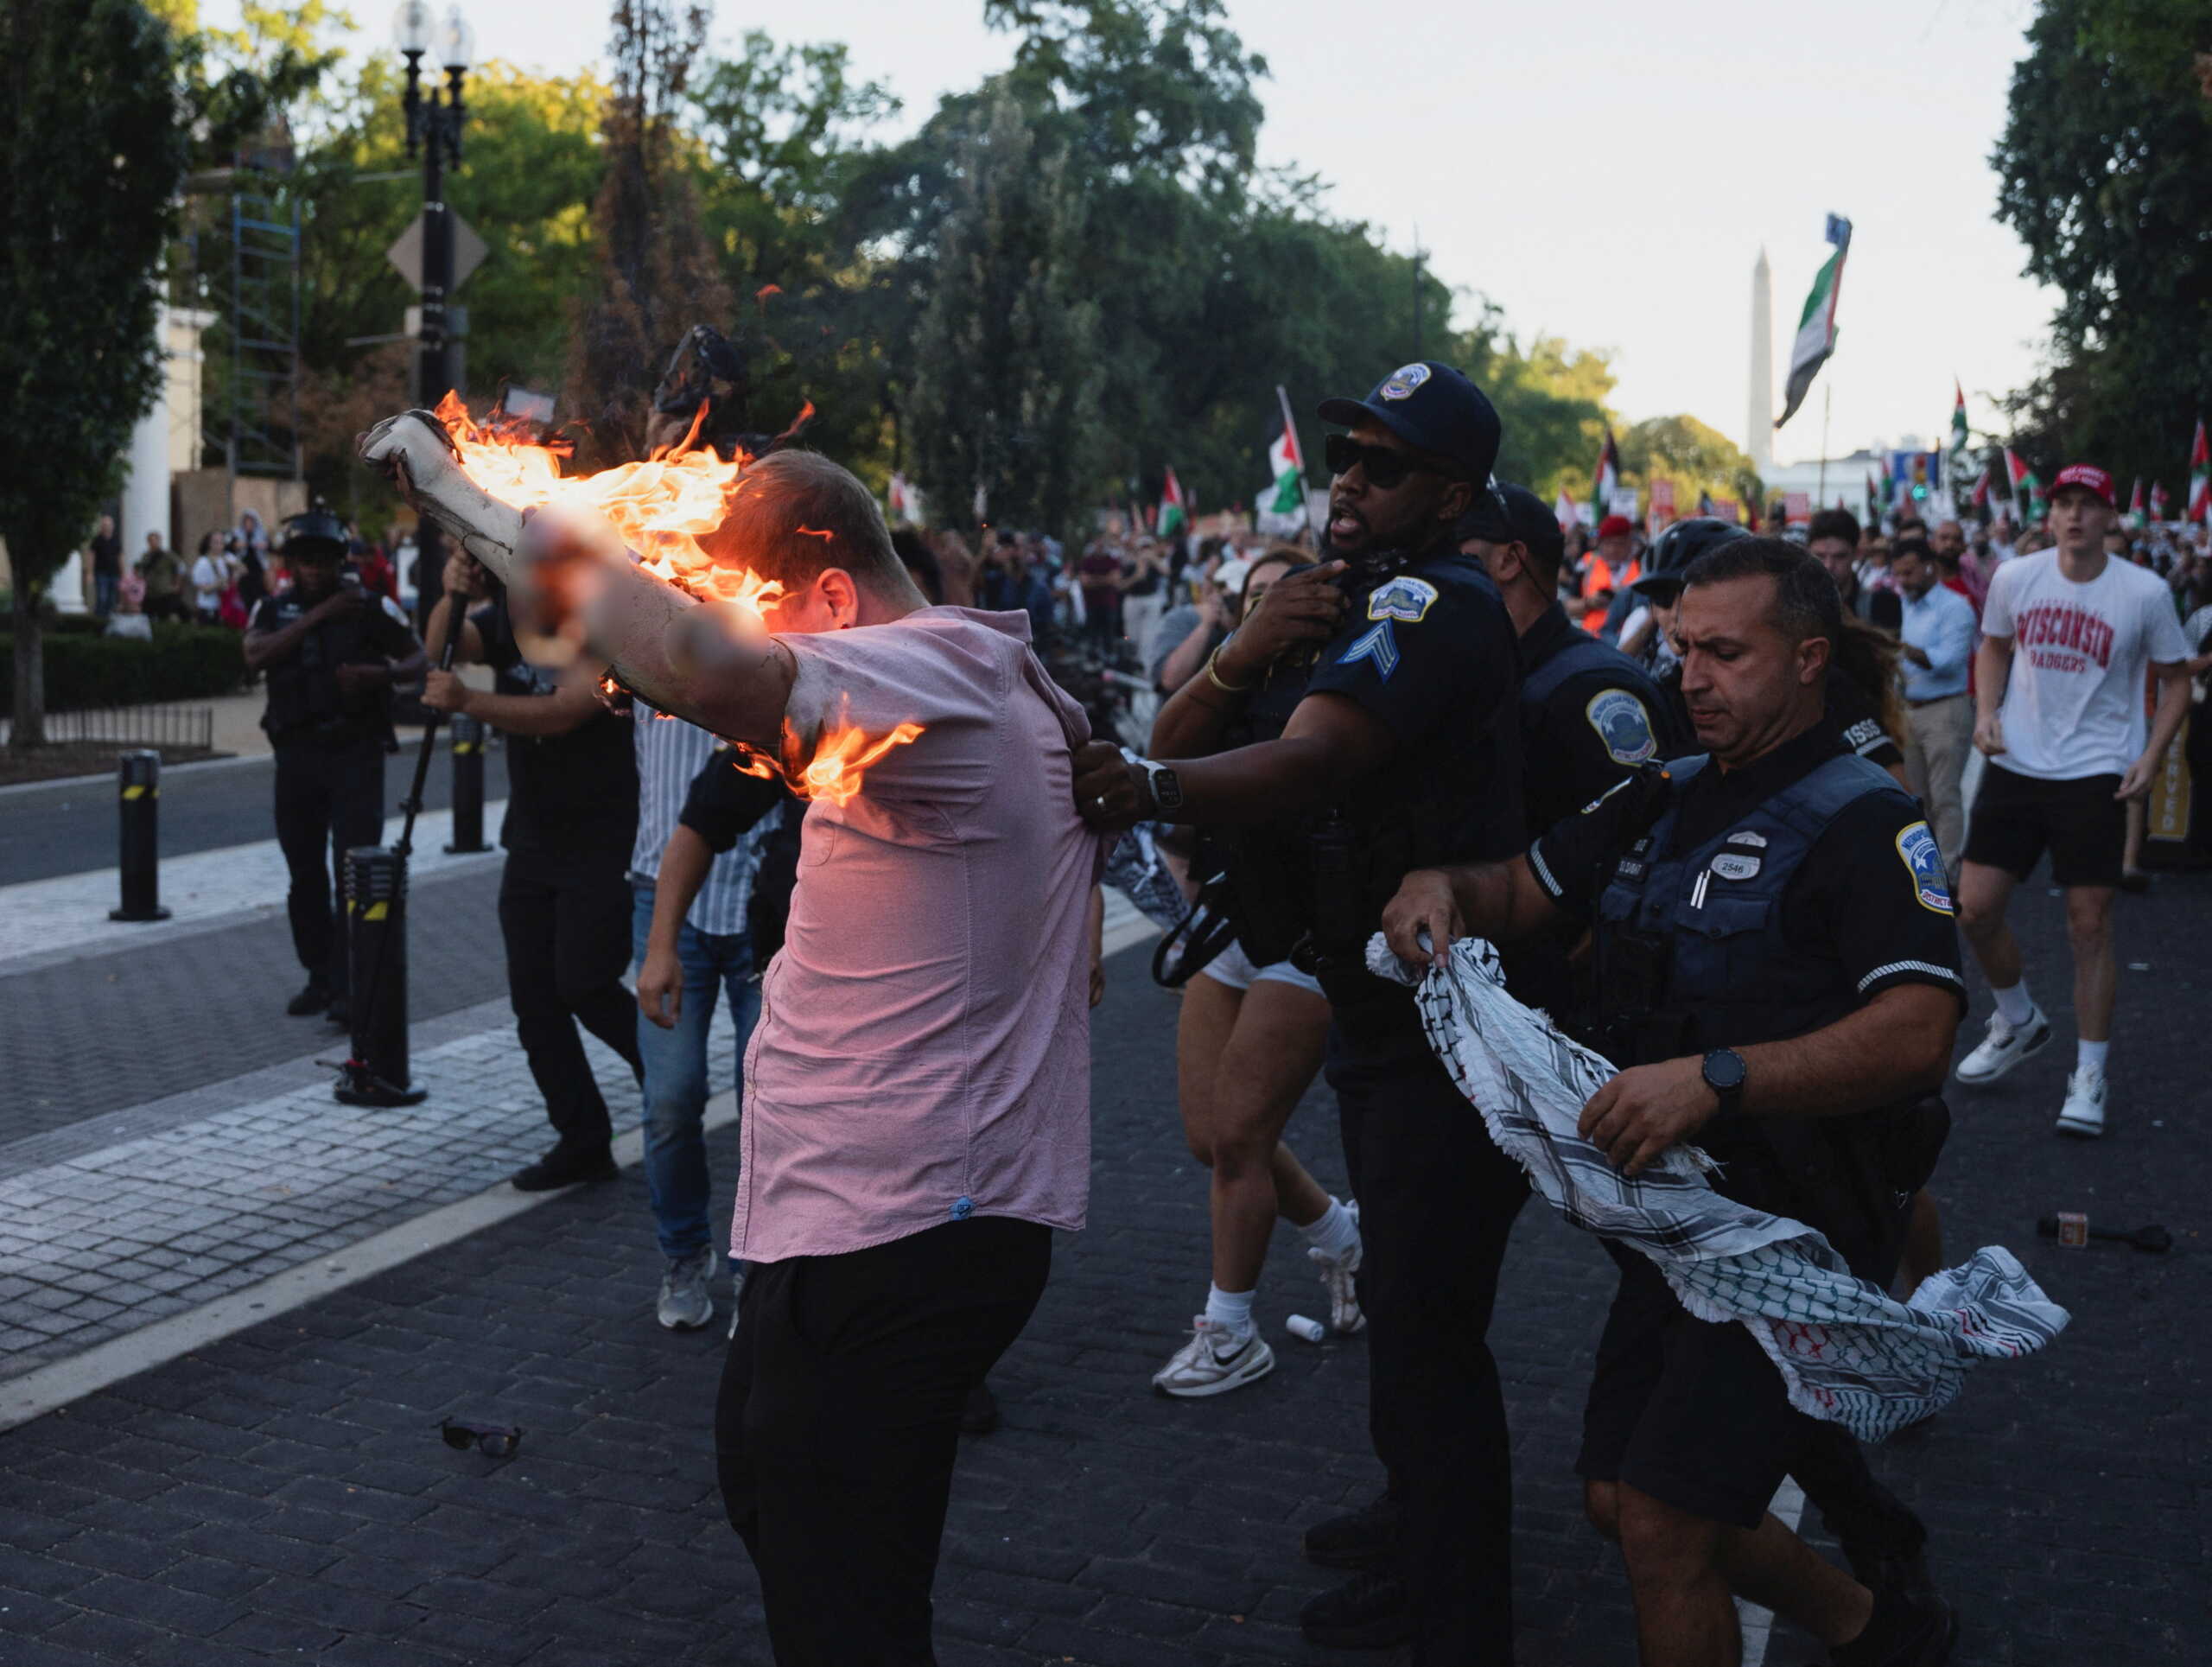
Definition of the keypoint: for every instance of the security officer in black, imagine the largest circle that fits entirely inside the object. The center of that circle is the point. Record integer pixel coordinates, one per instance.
(1780, 964)
(1405, 745)
(1589, 716)
(331, 653)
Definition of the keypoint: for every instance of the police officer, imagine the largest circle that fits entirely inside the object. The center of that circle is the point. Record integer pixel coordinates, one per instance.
(331, 653)
(1404, 746)
(1779, 957)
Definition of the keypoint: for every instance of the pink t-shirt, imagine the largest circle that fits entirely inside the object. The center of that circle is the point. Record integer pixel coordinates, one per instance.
(924, 1048)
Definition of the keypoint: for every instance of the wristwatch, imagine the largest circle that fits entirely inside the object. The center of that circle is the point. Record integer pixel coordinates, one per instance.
(1166, 791)
(1725, 1074)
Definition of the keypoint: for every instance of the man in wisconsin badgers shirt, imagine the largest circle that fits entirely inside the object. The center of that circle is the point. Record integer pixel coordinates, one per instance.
(2059, 691)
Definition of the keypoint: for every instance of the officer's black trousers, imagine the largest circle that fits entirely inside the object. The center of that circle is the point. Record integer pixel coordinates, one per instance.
(1437, 1200)
(566, 920)
(329, 799)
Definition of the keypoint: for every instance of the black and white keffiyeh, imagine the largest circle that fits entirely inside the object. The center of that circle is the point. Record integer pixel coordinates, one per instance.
(1848, 1350)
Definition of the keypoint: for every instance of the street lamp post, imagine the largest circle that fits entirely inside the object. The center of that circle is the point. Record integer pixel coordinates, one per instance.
(433, 124)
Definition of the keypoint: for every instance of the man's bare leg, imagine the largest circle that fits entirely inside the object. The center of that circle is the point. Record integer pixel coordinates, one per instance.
(2096, 965)
(1984, 893)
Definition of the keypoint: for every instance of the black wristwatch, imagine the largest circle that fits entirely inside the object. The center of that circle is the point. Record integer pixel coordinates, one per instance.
(1725, 1074)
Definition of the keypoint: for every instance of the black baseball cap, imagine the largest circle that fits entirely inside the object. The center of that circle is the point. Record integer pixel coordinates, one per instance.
(1509, 514)
(1432, 406)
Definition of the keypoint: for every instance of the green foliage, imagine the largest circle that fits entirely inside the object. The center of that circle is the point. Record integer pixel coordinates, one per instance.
(1005, 398)
(2105, 174)
(95, 154)
(1695, 457)
(183, 662)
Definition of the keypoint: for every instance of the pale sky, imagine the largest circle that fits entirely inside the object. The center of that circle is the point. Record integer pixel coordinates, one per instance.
(1606, 171)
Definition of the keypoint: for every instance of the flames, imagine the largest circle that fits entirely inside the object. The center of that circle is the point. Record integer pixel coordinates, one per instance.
(661, 507)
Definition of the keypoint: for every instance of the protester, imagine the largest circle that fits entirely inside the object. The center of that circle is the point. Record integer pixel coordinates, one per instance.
(1249, 1037)
(1938, 632)
(1144, 594)
(1797, 1053)
(1188, 633)
(107, 564)
(164, 575)
(564, 903)
(330, 656)
(2068, 638)
(1608, 568)
(1833, 538)
(210, 576)
(1100, 572)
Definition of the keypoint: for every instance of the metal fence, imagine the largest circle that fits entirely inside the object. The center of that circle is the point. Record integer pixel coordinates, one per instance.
(136, 726)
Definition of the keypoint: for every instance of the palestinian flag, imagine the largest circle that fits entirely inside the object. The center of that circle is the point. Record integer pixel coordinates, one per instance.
(1563, 510)
(1982, 489)
(1607, 479)
(2135, 505)
(1873, 501)
(1174, 512)
(2158, 501)
(2026, 489)
(1957, 464)
(2200, 479)
(1284, 492)
(1816, 325)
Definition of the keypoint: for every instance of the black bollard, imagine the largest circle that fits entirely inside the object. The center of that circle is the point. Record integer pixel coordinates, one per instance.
(138, 815)
(467, 786)
(375, 903)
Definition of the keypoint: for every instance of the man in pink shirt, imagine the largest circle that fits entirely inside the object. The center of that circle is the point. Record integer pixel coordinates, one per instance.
(917, 1096)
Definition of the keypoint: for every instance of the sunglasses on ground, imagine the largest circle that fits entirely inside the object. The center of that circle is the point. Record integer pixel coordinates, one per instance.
(1385, 468)
(494, 1440)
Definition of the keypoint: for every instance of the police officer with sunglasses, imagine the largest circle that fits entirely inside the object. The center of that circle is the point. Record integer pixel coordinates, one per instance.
(1405, 745)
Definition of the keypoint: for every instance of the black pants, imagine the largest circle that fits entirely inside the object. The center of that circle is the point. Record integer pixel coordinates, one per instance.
(837, 1421)
(1437, 1200)
(566, 920)
(329, 799)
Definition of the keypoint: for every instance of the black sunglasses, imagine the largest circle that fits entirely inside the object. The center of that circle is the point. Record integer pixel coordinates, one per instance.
(494, 1440)
(1385, 470)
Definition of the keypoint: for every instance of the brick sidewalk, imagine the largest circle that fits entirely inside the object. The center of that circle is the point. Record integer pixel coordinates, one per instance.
(283, 1494)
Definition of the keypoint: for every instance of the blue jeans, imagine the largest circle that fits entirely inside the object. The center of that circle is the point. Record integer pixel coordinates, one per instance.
(676, 1072)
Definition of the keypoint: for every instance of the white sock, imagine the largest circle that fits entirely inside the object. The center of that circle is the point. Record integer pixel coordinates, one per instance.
(1334, 1231)
(2015, 1006)
(1231, 1309)
(2091, 1056)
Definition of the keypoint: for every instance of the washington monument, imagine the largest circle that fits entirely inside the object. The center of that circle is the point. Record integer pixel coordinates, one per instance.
(1760, 443)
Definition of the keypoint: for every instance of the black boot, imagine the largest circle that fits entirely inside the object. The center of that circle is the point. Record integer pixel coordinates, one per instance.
(313, 999)
(1361, 1539)
(1371, 1612)
(564, 1166)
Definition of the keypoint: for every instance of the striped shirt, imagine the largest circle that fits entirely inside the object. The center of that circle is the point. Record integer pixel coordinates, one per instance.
(670, 754)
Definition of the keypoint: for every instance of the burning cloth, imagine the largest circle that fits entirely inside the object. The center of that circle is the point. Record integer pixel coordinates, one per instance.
(1848, 1350)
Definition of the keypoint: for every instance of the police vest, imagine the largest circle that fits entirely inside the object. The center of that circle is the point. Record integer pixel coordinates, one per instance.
(305, 701)
(1692, 958)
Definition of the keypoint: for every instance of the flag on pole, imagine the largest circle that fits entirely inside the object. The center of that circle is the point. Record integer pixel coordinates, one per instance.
(1175, 513)
(1874, 500)
(2135, 505)
(1563, 510)
(1956, 465)
(2200, 479)
(2158, 501)
(1284, 492)
(1608, 477)
(1816, 325)
(1982, 488)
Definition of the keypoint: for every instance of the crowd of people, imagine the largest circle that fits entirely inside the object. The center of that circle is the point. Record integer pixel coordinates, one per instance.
(226, 575)
(1709, 791)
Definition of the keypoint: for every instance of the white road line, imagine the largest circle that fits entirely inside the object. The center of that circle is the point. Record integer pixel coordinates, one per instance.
(45, 920)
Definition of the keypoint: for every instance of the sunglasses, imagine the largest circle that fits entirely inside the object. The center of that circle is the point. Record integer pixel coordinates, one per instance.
(494, 1441)
(1385, 470)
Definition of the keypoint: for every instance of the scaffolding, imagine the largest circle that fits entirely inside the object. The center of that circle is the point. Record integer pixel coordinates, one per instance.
(263, 436)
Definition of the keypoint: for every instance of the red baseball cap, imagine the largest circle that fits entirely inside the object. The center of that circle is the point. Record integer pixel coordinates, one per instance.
(2089, 478)
(1615, 526)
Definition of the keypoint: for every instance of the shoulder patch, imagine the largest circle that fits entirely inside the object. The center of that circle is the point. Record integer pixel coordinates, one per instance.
(1923, 860)
(1404, 380)
(1402, 598)
(1375, 643)
(1624, 725)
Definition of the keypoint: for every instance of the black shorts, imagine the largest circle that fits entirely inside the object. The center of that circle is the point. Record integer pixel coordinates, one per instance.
(2016, 818)
(1691, 1413)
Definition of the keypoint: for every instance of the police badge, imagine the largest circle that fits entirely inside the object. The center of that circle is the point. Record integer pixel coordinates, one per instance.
(1624, 725)
(1402, 382)
(1923, 860)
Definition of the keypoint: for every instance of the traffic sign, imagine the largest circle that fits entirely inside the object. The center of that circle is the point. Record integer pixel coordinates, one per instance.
(469, 250)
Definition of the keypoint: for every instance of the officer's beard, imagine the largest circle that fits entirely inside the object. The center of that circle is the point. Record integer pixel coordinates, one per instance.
(1380, 558)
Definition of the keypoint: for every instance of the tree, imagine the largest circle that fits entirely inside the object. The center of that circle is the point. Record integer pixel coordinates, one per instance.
(1006, 376)
(1697, 459)
(2105, 171)
(97, 150)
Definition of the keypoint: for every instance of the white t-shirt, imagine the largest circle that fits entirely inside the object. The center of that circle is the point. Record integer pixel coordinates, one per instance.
(207, 581)
(2080, 652)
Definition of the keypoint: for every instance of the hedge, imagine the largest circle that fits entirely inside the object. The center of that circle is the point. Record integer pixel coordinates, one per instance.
(183, 662)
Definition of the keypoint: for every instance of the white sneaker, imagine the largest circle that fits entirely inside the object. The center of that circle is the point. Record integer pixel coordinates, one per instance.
(2005, 1046)
(2083, 1114)
(1216, 1359)
(684, 1304)
(1337, 1273)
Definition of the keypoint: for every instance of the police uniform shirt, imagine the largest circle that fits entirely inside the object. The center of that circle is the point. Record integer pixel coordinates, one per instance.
(1599, 723)
(574, 792)
(1871, 895)
(371, 634)
(1853, 723)
(1430, 653)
